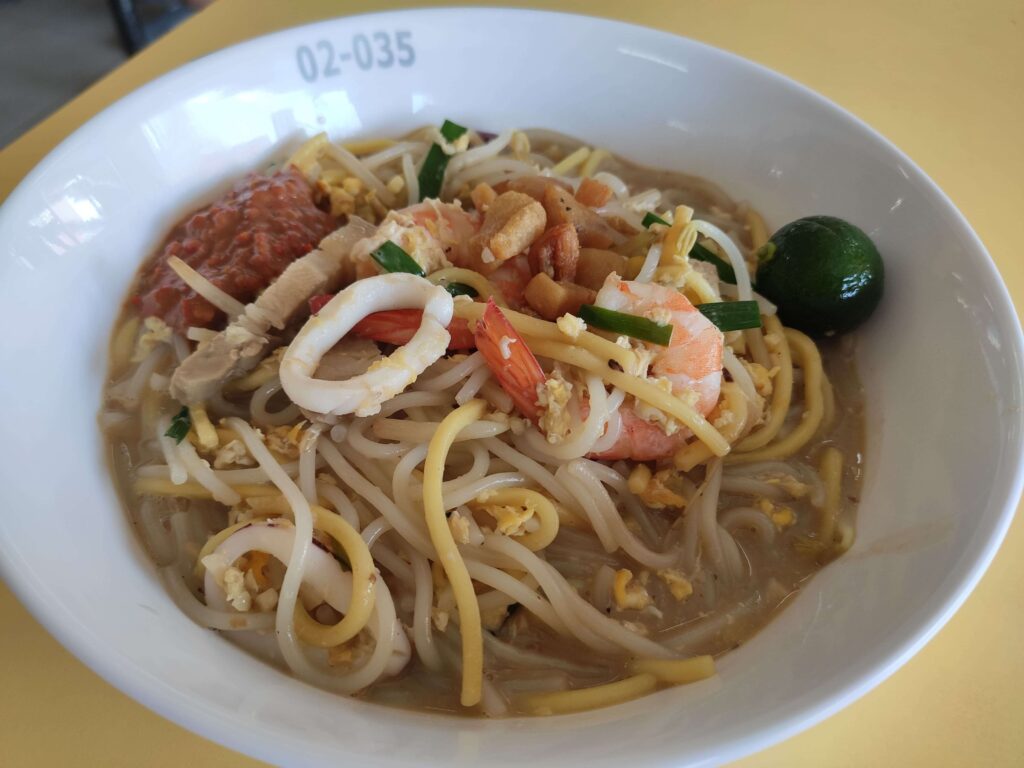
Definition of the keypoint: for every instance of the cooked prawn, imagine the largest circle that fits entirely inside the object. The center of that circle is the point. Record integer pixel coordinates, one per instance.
(691, 365)
(692, 361)
(510, 360)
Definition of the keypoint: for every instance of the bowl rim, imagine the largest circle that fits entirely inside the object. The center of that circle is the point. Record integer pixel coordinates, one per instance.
(212, 724)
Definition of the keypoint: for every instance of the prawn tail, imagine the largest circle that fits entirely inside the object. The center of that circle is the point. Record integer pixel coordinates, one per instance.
(398, 326)
(510, 360)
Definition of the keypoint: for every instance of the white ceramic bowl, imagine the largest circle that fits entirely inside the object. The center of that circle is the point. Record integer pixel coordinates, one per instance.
(941, 362)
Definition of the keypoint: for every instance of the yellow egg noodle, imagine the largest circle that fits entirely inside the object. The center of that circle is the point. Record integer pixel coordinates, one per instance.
(435, 486)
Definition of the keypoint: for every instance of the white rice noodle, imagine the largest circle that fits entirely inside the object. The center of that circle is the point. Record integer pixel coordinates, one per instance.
(413, 400)
(422, 626)
(466, 493)
(535, 472)
(355, 437)
(711, 545)
(180, 346)
(249, 475)
(491, 171)
(617, 208)
(223, 301)
(452, 375)
(518, 592)
(307, 463)
(422, 431)
(258, 406)
(299, 551)
(646, 273)
(412, 530)
(176, 470)
(199, 470)
(334, 496)
(589, 625)
(159, 540)
(773, 469)
(739, 264)
(645, 201)
(604, 515)
(230, 621)
(128, 392)
(393, 562)
(401, 149)
(748, 519)
(740, 375)
(478, 154)
(473, 385)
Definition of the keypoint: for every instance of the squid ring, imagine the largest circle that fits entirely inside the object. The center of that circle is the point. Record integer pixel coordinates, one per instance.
(364, 394)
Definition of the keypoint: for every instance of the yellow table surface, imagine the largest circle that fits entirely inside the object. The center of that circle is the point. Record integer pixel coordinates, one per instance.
(944, 81)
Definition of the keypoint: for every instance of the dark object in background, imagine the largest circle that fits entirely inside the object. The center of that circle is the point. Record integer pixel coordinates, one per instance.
(140, 22)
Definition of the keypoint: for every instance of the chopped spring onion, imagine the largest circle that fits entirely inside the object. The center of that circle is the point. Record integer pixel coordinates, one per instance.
(451, 131)
(180, 425)
(627, 325)
(652, 218)
(732, 315)
(431, 175)
(461, 289)
(432, 172)
(725, 270)
(392, 258)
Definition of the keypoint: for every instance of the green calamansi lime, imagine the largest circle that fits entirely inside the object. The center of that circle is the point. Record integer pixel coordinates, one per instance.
(824, 274)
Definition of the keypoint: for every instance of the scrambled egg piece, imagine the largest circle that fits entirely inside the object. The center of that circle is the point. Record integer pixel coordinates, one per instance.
(782, 516)
(660, 315)
(725, 417)
(233, 454)
(658, 494)
(677, 583)
(654, 489)
(630, 593)
(762, 377)
(284, 441)
(156, 332)
(644, 355)
(234, 587)
(570, 325)
(553, 397)
(511, 519)
(459, 526)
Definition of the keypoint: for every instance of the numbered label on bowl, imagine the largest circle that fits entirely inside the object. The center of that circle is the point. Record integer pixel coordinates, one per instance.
(364, 51)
